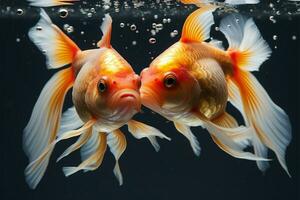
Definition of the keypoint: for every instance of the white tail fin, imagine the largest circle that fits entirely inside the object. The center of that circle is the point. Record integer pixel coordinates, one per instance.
(48, 3)
(43, 126)
(42, 129)
(59, 49)
(270, 123)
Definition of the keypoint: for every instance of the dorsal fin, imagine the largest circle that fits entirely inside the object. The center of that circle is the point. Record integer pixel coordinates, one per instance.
(106, 28)
(197, 26)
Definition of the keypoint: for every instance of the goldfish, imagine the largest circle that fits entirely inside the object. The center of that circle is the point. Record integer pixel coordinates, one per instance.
(191, 82)
(49, 3)
(105, 95)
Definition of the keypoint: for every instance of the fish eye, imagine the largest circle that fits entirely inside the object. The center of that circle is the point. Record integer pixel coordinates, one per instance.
(102, 87)
(170, 80)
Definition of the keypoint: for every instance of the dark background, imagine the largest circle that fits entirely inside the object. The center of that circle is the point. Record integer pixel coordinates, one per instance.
(174, 172)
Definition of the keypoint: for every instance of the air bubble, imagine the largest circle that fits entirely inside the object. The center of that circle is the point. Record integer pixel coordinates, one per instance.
(134, 43)
(152, 40)
(89, 15)
(133, 27)
(275, 37)
(63, 13)
(18, 39)
(122, 25)
(155, 16)
(294, 37)
(70, 29)
(271, 18)
(20, 11)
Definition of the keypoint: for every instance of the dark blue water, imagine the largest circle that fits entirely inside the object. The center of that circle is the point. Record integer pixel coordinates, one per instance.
(174, 172)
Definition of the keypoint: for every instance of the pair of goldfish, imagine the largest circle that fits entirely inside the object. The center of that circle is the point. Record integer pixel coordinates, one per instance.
(189, 84)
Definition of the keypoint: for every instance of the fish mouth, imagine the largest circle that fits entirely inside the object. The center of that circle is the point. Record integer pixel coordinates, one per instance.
(127, 95)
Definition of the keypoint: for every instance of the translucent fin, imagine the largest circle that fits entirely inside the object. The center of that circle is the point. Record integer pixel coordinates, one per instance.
(197, 26)
(81, 141)
(106, 28)
(140, 130)
(186, 131)
(90, 148)
(225, 137)
(270, 124)
(259, 148)
(117, 143)
(246, 46)
(59, 49)
(70, 120)
(48, 3)
(217, 43)
(43, 125)
(93, 161)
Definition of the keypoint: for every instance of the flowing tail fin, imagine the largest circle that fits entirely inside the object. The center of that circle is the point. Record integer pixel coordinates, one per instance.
(248, 50)
(48, 3)
(44, 123)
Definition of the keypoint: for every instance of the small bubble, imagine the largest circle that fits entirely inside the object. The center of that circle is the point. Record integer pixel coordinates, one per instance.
(122, 25)
(18, 39)
(82, 32)
(153, 25)
(134, 43)
(169, 20)
(44, 51)
(275, 37)
(152, 40)
(153, 32)
(271, 5)
(66, 26)
(159, 26)
(228, 25)
(155, 16)
(106, 7)
(63, 13)
(237, 20)
(20, 11)
(217, 28)
(133, 27)
(89, 14)
(165, 20)
(70, 29)
(92, 10)
(294, 37)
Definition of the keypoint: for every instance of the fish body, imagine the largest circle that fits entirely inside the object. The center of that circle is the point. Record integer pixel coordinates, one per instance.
(191, 82)
(105, 96)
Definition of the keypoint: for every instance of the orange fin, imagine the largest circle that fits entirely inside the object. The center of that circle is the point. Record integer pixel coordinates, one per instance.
(197, 26)
(106, 29)
(270, 124)
(231, 139)
(59, 49)
(117, 144)
(48, 3)
(43, 125)
(94, 157)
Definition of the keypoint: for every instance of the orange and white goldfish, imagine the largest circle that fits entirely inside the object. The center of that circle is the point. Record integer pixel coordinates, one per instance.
(191, 82)
(49, 3)
(105, 95)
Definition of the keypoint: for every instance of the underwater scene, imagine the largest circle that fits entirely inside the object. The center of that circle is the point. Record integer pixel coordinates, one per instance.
(150, 99)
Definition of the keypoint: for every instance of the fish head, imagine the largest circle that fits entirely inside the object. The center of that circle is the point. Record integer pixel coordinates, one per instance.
(114, 96)
(168, 90)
